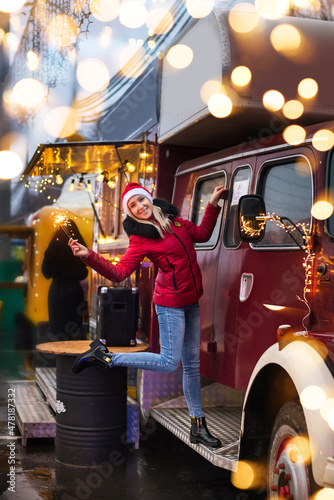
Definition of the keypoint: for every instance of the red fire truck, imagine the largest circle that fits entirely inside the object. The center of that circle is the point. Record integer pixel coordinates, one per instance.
(267, 352)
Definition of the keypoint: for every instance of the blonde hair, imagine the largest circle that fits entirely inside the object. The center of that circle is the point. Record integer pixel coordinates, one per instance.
(161, 223)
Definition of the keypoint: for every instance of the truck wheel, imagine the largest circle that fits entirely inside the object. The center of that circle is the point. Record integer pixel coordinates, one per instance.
(289, 458)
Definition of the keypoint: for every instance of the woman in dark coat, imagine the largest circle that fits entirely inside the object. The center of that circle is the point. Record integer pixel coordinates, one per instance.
(66, 298)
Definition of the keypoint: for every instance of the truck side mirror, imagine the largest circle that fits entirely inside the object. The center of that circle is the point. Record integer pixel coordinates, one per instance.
(252, 218)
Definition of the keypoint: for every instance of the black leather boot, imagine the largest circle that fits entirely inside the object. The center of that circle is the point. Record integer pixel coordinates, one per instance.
(97, 355)
(199, 433)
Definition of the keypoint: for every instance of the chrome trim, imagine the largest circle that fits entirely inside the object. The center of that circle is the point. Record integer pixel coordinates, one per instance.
(240, 156)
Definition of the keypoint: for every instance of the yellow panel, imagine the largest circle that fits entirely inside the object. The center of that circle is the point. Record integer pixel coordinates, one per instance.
(38, 286)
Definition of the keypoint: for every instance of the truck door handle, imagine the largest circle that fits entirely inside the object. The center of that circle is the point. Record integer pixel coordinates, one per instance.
(246, 285)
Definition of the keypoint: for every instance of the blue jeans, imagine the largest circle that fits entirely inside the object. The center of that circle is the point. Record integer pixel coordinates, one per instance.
(179, 340)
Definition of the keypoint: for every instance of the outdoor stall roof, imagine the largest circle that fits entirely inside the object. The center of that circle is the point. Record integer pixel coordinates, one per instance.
(83, 157)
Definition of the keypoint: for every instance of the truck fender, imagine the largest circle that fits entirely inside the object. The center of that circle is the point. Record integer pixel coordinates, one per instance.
(306, 367)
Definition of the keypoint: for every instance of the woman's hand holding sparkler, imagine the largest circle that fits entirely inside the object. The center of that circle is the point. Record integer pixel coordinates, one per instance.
(78, 249)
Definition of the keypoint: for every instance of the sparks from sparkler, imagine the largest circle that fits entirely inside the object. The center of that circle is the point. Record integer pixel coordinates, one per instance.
(60, 219)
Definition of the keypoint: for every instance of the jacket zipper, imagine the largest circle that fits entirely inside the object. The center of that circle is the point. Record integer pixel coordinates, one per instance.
(174, 277)
(191, 269)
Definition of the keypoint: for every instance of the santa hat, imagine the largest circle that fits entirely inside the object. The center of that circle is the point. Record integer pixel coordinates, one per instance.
(133, 189)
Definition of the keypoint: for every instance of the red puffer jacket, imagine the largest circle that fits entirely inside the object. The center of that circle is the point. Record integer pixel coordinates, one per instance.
(179, 279)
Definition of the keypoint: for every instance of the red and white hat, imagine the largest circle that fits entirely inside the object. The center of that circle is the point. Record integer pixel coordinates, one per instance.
(133, 189)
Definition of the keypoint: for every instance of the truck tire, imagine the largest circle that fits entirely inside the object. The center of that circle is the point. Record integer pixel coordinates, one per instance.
(289, 458)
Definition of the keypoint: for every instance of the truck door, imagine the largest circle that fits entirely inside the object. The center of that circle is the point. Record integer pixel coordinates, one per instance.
(272, 277)
(207, 257)
(229, 270)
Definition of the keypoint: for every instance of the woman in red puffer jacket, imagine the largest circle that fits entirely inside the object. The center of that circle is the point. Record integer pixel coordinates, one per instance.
(156, 232)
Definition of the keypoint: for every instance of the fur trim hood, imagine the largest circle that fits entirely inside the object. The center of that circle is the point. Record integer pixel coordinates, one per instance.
(134, 228)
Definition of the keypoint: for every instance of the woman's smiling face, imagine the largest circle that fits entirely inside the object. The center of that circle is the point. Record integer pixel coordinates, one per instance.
(140, 206)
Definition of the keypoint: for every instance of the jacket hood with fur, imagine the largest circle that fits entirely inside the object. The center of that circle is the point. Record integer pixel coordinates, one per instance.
(134, 228)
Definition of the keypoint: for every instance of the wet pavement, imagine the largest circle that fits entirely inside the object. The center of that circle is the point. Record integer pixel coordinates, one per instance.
(163, 468)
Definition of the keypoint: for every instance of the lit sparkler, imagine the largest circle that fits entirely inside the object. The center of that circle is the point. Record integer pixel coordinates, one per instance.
(61, 220)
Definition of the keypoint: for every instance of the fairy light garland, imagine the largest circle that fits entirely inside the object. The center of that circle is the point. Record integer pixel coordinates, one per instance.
(248, 228)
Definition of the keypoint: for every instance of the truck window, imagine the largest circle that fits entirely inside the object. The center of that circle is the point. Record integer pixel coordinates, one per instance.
(240, 185)
(203, 191)
(287, 192)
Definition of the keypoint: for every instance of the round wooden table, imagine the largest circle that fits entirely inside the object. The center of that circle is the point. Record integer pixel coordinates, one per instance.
(91, 417)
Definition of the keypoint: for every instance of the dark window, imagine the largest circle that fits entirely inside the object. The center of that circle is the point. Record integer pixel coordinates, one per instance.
(203, 192)
(287, 192)
(240, 185)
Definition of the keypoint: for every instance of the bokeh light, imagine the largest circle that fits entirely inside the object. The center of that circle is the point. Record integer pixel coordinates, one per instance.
(131, 61)
(62, 31)
(159, 21)
(61, 122)
(93, 75)
(330, 418)
(209, 88)
(220, 105)
(32, 60)
(12, 41)
(243, 477)
(241, 76)
(273, 100)
(180, 56)
(132, 13)
(104, 10)
(199, 8)
(105, 37)
(327, 408)
(313, 397)
(308, 88)
(243, 18)
(15, 142)
(301, 445)
(11, 165)
(272, 9)
(321, 210)
(11, 5)
(325, 494)
(293, 109)
(294, 134)
(285, 38)
(29, 93)
(323, 140)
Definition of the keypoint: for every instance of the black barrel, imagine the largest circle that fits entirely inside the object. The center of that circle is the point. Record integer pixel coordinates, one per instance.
(91, 413)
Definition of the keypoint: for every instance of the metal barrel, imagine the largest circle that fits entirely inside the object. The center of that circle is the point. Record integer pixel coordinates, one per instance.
(91, 413)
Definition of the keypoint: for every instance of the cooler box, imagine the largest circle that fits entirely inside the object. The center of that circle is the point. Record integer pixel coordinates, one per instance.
(117, 315)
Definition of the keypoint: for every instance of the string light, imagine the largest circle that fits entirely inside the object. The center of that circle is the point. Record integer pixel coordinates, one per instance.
(131, 168)
(89, 187)
(79, 185)
(142, 153)
(72, 186)
(59, 179)
(248, 228)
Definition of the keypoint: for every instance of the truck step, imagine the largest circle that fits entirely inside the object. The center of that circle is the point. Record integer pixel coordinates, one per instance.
(223, 422)
(32, 413)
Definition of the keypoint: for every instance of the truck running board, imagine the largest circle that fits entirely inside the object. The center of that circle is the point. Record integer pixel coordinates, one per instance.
(223, 422)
